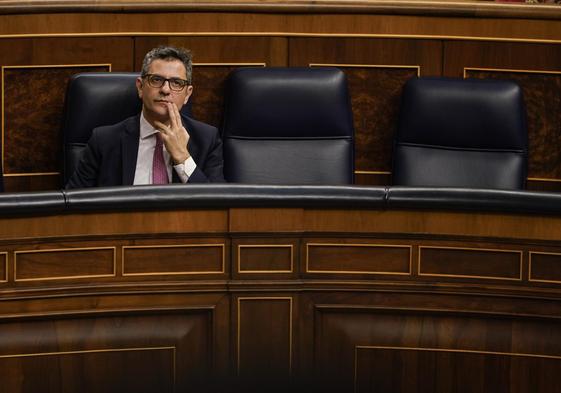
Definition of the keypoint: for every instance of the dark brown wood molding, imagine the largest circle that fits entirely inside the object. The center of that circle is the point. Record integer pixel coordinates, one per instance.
(434, 8)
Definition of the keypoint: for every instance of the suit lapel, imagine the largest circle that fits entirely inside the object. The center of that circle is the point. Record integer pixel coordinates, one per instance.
(129, 149)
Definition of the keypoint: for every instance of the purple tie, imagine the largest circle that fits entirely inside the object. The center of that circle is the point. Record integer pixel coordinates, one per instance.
(159, 170)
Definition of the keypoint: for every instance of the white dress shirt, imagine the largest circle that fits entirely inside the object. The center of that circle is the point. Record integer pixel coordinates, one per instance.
(146, 146)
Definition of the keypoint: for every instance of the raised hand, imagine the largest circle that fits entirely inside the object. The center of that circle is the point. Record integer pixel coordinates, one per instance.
(174, 135)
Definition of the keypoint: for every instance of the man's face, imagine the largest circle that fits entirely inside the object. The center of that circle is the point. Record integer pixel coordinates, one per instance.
(154, 98)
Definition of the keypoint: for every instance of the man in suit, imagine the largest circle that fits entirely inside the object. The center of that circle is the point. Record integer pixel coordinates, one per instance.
(159, 145)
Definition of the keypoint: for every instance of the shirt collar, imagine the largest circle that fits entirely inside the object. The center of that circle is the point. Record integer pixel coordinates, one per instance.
(146, 129)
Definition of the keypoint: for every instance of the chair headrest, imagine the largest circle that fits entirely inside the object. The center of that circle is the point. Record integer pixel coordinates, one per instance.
(96, 99)
(286, 103)
(469, 113)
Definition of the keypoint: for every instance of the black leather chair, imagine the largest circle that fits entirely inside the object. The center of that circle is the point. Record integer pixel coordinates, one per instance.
(288, 126)
(1, 179)
(92, 100)
(461, 133)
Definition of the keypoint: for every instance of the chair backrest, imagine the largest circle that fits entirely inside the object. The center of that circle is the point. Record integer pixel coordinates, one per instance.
(288, 126)
(94, 99)
(461, 133)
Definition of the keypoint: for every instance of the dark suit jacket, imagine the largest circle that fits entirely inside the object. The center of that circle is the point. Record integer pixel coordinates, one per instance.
(109, 159)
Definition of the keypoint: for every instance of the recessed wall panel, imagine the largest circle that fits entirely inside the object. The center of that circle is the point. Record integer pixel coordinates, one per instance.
(174, 259)
(358, 258)
(64, 263)
(264, 338)
(470, 262)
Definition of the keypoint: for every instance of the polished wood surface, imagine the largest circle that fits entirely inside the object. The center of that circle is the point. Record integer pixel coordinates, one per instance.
(246, 298)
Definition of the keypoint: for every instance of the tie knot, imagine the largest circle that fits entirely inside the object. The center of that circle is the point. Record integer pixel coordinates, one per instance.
(159, 140)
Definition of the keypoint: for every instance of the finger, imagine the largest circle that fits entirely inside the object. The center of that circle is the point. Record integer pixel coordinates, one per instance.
(164, 129)
(173, 113)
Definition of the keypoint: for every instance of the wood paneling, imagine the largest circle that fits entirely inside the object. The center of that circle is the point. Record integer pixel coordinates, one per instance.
(545, 267)
(347, 333)
(264, 344)
(357, 258)
(161, 222)
(428, 370)
(140, 351)
(499, 55)
(261, 329)
(265, 258)
(416, 223)
(33, 92)
(3, 266)
(66, 263)
(111, 370)
(311, 20)
(474, 263)
(174, 259)
(26, 131)
(266, 220)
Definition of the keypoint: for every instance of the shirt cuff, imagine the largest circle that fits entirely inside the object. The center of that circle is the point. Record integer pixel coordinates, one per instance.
(185, 169)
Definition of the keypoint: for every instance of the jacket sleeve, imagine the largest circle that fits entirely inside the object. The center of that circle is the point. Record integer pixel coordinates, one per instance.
(212, 171)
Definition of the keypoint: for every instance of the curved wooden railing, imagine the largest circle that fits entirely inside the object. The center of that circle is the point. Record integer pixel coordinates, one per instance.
(259, 287)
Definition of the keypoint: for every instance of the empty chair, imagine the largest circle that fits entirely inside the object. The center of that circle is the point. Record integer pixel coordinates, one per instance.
(288, 126)
(92, 100)
(461, 133)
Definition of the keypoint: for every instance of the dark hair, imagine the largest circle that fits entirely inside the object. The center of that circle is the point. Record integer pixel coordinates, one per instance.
(169, 53)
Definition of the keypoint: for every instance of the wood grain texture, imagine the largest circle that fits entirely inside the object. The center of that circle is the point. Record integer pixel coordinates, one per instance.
(33, 182)
(138, 351)
(545, 267)
(442, 7)
(112, 370)
(336, 257)
(445, 371)
(64, 263)
(269, 258)
(375, 100)
(203, 259)
(132, 223)
(293, 331)
(470, 262)
(344, 330)
(264, 349)
(541, 96)
(32, 137)
(275, 22)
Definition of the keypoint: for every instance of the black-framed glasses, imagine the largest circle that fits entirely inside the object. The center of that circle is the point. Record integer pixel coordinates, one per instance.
(157, 81)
